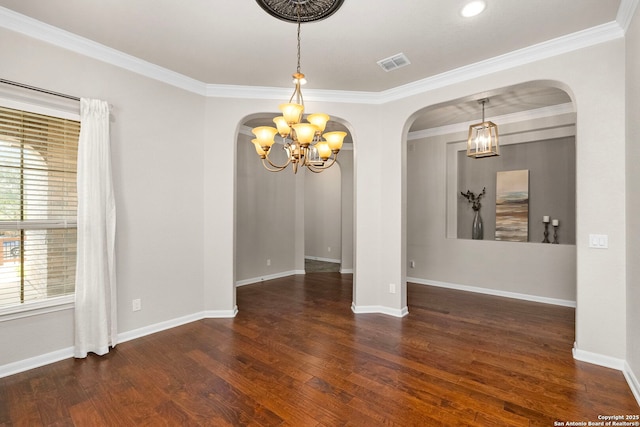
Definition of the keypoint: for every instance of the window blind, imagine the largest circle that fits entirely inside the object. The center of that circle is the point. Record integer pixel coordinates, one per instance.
(38, 206)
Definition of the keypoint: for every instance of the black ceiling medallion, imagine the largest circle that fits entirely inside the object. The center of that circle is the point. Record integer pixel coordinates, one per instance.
(310, 10)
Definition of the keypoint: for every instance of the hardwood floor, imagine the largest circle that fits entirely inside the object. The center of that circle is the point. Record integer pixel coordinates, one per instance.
(296, 355)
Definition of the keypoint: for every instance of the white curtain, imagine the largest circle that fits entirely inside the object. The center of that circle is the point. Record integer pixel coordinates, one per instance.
(95, 302)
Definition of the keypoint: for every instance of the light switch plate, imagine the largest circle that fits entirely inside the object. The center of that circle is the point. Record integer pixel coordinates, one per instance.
(598, 241)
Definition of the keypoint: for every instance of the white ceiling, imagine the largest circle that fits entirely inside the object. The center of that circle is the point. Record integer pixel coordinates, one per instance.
(235, 42)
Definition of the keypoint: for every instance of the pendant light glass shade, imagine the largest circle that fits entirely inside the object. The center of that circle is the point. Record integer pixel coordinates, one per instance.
(292, 113)
(259, 149)
(264, 136)
(483, 138)
(324, 152)
(283, 128)
(335, 139)
(319, 120)
(305, 133)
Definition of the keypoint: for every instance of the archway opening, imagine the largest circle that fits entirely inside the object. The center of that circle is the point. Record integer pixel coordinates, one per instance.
(537, 135)
(272, 222)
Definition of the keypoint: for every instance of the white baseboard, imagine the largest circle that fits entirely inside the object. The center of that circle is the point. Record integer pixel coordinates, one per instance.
(598, 359)
(35, 362)
(220, 314)
(179, 321)
(315, 258)
(379, 309)
(268, 277)
(346, 271)
(157, 327)
(494, 292)
(66, 353)
(632, 380)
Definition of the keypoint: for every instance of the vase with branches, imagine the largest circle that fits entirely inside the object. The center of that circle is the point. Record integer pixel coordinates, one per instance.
(477, 229)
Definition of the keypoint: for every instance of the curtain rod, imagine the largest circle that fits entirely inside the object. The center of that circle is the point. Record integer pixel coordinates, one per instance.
(37, 89)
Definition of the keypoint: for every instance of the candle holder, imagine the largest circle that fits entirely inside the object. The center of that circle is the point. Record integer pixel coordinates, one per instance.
(546, 233)
(555, 234)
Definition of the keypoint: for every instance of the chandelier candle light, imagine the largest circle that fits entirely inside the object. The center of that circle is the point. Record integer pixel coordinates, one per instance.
(303, 142)
(483, 137)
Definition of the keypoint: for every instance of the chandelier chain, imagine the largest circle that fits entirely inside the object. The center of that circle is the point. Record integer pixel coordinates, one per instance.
(298, 69)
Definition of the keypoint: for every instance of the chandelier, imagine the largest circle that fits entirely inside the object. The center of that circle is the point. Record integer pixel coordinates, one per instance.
(303, 142)
(483, 137)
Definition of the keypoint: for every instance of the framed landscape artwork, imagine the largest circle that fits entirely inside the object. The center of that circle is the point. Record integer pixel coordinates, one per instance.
(512, 206)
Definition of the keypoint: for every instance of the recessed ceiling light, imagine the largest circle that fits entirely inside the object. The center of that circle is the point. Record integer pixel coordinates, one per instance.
(473, 8)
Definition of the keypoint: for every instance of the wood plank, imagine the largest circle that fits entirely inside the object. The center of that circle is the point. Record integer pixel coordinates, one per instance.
(296, 355)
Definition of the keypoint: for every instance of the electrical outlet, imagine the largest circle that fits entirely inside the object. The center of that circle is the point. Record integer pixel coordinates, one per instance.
(392, 288)
(136, 304)
(329, 249)
(268, 262)
(412, 264)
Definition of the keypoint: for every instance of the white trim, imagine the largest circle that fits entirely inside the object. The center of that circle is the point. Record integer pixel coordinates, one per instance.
(36, 308)
(48, 33)
(379, 309)
(39, 108)
(220, 314)
(157, 327)
(266, 92)
(346, 271)
(316, 258)
(35, 362)
(494, 292)
(598, 359)
(558, 46)
(268, 277)
(538, 113)
(571, 42)
(625, 13)
(632, 380)
(66, 353)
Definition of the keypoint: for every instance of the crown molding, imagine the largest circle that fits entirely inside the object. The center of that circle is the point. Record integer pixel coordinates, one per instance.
(571, 42)
(521, 116)
(625, 13)
(33, 28)
(265, 92)
(53, 35)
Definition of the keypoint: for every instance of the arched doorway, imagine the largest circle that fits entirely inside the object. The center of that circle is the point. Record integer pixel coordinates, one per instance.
(270, 211)
(537, 133)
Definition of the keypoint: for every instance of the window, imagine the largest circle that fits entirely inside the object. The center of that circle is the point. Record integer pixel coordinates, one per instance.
(38, 206)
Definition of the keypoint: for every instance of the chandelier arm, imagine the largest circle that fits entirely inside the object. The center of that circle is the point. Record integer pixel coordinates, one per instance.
(318, 169)
(297, 92)
(275, 168)
(312, 169)
(278, 167)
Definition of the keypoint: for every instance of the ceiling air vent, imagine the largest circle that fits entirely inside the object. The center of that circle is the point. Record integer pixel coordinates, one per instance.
(393, 62)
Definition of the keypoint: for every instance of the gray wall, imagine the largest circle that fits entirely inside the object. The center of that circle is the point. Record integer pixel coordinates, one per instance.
(322, 214)
(347, 215)
(540, 271)
(282, 217)
(552, 186)
(265, 214)
(633, 196)
(329, 213)
(157, 135)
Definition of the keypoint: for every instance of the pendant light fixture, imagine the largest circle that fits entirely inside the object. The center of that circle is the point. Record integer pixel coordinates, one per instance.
(483, 137)
(304, 143)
